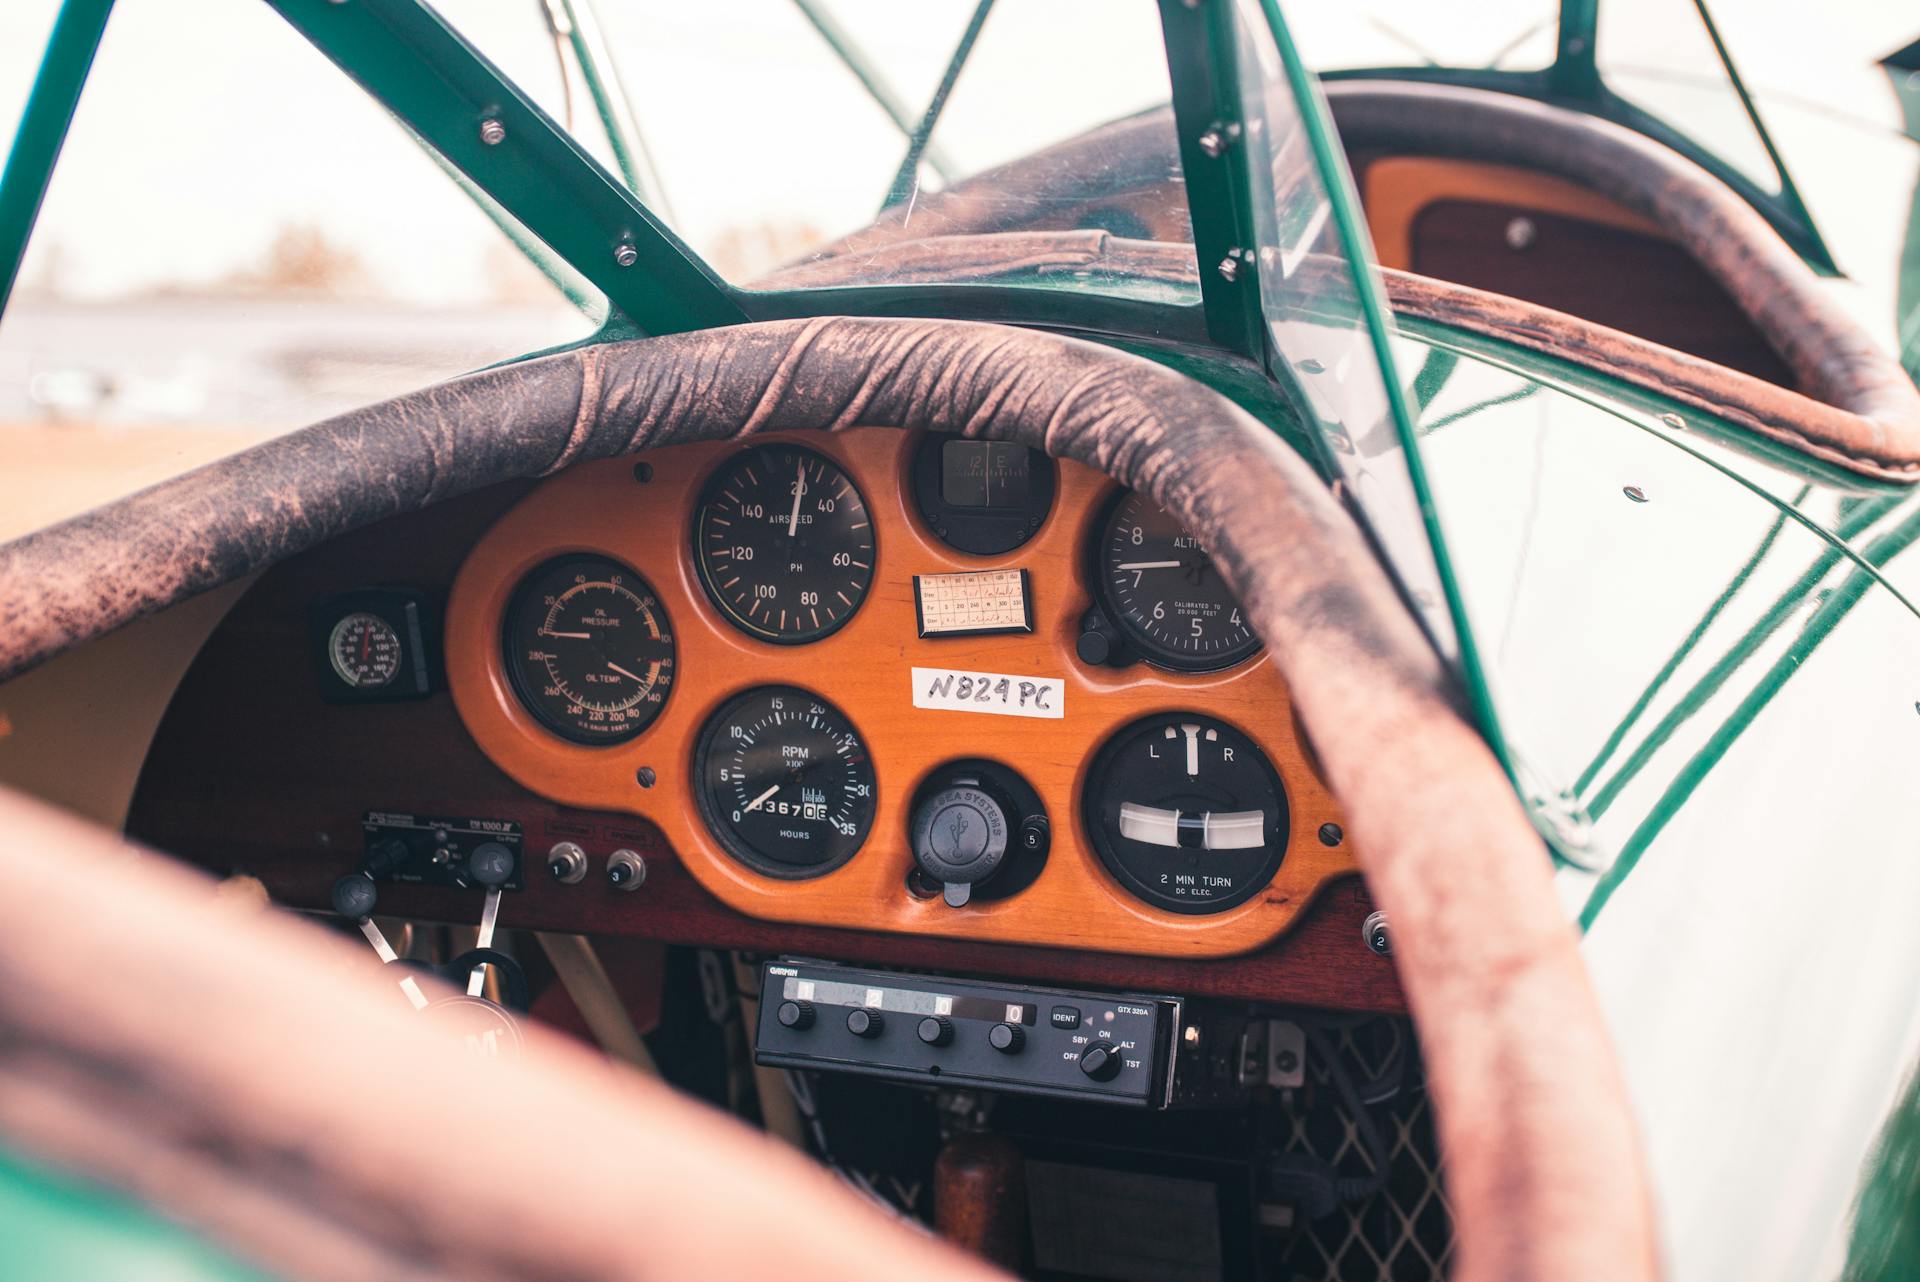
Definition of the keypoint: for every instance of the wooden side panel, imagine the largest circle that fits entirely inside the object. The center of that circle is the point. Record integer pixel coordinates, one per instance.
(1580, 253)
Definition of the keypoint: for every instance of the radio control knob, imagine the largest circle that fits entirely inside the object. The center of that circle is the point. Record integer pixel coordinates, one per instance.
(864, 1023)
(1007, 1038)
(795, 1015)
(936, 1030)
(1101, 1062)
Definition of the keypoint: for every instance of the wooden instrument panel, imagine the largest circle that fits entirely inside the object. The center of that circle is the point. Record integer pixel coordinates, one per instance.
(864, 669)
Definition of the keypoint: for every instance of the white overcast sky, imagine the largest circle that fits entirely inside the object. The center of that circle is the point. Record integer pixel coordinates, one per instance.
(210, 124)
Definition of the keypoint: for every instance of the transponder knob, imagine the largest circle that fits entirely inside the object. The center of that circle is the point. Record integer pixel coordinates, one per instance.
(795, 1015)
(1007, 1038)
(1101, 1062)
(864, 1023)
(936, 1030)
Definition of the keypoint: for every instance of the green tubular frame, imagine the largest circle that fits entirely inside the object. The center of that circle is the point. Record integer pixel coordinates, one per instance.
(71, 47)
(411, 60)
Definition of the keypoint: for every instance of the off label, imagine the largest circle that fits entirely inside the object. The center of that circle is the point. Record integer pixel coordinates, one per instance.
(999, 693)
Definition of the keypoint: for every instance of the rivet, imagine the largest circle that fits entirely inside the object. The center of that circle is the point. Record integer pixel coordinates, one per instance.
(492, 133)
(1310, 366)
(625, 254)
(643, 472)
(1635, 493)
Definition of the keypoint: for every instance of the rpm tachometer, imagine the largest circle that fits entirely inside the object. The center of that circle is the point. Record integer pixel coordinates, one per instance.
(785, 782)
(589, 650)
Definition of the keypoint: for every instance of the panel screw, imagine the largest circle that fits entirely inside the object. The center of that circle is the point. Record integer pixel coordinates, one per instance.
(645, 776)
(1635, 493)
(1230, 267)
(643, 472)
(1674, 421)
(492, 133)
(1213, 142)
(625, 254)
(1330, 834)
(1374, 931)
(1521, 233)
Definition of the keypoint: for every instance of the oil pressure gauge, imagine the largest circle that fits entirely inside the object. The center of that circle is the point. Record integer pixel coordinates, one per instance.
(1187, 813)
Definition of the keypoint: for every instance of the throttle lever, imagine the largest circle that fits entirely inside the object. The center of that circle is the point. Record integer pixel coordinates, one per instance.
(491, 864)
(354, 897)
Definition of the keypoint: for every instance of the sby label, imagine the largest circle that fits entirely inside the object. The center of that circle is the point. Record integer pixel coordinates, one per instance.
(957, 690)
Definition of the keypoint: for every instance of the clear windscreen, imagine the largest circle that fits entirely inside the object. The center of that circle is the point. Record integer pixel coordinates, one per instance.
(1312, 281)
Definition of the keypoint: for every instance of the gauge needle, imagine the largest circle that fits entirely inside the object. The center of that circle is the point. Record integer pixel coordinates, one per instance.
(761, 800)
(614, 667)
(799, 489)
(568, 636)
(1148, 565)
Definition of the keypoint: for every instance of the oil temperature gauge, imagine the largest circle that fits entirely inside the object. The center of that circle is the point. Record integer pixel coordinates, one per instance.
(1187, 812)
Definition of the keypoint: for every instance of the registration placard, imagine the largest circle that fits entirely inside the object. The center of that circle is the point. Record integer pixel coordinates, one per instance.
(998, 693)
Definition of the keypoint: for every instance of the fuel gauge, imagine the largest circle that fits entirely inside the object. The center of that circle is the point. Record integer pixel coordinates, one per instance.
(1187, 812)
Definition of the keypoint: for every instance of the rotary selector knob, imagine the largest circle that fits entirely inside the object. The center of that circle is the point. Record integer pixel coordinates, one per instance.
(959, 838)
(1101, 1062)
(1007, 1038)
(567, 863)
(795, 1015)
(865, 1023)
(936, 1030)
(626, 870)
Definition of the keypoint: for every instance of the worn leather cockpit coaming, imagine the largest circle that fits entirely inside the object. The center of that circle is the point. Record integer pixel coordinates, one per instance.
(1544, 1183)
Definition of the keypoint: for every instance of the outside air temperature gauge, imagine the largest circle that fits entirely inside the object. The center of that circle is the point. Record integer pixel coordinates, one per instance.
(1187, 812)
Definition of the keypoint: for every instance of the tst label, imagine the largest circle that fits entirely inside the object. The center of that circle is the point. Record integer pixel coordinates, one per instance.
(999, 693)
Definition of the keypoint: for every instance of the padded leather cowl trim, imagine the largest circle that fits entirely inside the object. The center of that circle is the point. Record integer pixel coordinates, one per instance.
(1543, 1163)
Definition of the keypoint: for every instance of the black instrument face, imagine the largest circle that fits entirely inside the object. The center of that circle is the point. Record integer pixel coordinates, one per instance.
(364, 650)
(1161, 589)
(983, 498)
(785, 783)
(1186, 812)
(784, 544)
(589, 650)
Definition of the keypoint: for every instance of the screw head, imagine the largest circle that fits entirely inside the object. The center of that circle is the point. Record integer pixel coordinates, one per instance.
(1635, 493)
(1330, 834)
(645, 777)
(643, 472)
(1521, 233)
(492, 133)
(625, 254)
(1213, 142)
(1229, 268)
(1674, 421)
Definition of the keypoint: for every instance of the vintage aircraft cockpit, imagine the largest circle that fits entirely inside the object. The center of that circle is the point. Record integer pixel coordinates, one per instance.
(1101, 641)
